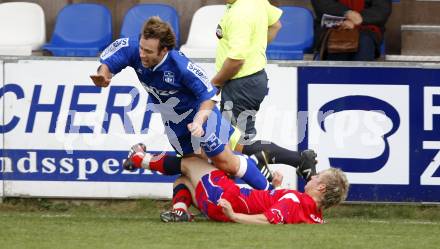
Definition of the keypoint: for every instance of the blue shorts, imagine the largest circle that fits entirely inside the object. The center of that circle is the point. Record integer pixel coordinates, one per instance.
(217, 133)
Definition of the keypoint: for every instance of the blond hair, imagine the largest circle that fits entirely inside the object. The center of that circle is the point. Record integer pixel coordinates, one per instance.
(336, 189)
(155, 28)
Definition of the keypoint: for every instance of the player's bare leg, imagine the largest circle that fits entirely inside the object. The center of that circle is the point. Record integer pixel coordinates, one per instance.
(194, 168)
(227, 161)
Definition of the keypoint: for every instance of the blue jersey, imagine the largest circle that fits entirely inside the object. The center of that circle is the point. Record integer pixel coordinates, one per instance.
(176, 86)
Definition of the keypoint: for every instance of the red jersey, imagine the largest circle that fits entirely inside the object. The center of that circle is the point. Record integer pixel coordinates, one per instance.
(279, 206)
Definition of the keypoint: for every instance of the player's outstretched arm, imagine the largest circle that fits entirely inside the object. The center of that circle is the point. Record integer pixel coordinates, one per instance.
(103, 76)
(239, 217)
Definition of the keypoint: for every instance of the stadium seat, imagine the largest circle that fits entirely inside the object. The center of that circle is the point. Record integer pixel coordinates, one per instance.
(82, 29)
(202, 41)
(138, 14)
(22, 28)
(295, 37)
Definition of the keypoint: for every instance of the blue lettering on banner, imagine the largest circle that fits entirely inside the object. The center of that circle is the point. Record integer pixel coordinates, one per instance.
(121, 111)
(76, 107)
(51, 108)
(422, 118)
(19, 93)
(113, 113)
(147, 117)
(59, 165)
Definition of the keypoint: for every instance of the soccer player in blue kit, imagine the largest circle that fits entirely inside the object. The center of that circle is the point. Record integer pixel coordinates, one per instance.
(183, 95)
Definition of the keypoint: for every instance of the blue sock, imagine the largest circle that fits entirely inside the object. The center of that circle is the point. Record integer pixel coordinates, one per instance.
(250, 173)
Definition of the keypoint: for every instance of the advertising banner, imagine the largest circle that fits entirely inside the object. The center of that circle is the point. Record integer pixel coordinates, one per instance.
(1, 124)
(380, 125)
(64, 137)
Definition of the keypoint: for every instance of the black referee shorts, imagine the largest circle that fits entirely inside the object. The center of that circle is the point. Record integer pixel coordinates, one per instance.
(241, 99)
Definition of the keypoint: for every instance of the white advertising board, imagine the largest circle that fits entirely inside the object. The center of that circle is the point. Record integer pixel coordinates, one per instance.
(277, 118)
(67, 138)
(1, 123)
(360, 134)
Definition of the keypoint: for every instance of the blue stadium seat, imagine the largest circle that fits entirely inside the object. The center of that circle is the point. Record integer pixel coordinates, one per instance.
(138, 14)
(295, 37)
(82, 29)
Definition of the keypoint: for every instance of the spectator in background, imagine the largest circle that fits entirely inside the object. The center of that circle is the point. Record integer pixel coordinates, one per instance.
(244, 32)
(370, 16)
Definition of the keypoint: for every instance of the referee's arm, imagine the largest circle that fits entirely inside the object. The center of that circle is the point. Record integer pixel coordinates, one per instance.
(273, 31)
(229, 69)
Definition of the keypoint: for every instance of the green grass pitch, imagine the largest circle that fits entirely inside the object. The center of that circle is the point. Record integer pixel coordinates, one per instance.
(33, 223)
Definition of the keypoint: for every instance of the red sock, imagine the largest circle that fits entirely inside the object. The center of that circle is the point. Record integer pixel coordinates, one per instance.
(137, 159)
(157, 164)
(166, 164)
(181, 197)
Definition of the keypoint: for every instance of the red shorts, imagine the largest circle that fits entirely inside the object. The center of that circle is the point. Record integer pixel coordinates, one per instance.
(215, 186)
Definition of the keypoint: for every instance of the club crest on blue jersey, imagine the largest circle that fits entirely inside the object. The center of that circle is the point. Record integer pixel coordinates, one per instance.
(168, 77)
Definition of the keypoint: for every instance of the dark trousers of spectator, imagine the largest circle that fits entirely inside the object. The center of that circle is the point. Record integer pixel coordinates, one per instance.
(368, 49)
(241, 99)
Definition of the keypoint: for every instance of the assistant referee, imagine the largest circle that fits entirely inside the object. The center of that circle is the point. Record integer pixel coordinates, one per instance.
(243, 34)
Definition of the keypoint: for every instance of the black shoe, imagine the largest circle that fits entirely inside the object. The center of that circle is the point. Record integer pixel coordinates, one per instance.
(307, 166)
(177, 215)
(262, 165)
(127, 164)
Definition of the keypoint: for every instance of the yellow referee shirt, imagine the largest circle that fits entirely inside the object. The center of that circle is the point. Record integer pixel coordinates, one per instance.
(242, 34)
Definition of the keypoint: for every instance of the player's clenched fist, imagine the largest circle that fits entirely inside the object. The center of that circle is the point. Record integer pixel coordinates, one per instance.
(196, 129)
